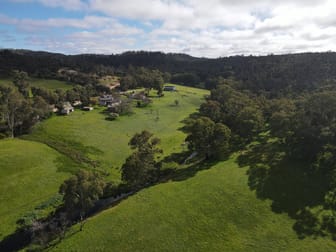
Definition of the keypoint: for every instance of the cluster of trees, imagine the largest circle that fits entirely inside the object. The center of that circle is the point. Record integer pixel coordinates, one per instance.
(228, 118)
(305, 125)
(19, 112)
(239, 110)
(77, 77)
(22, 105)
(141, 168)
(84, 192)
(144, 78)
(208, 138)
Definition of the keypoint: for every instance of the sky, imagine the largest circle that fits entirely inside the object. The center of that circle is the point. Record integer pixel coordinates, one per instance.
(201, 28)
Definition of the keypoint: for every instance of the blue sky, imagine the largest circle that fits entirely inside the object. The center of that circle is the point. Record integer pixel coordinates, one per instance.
(211, 28)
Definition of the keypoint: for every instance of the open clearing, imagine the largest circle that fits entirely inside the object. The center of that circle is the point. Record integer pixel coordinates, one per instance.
(41, 83)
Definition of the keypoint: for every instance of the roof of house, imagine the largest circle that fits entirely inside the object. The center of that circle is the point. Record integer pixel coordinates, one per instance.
(169, 88)
(67, 105)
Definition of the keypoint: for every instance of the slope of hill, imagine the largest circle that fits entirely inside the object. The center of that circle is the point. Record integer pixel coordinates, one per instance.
(41, 83)
(212, 210)
(271, 73)
(29, 176)
(107, 141)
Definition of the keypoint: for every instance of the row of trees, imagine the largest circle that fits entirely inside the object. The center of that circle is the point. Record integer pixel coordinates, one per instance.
(140, 169)
(82, 191)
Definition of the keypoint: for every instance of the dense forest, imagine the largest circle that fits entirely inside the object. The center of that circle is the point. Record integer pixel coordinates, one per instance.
(272, 74)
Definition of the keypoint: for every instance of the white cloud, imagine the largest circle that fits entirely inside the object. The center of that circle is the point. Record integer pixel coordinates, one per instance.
(66, 4)
(202, 28)
(87, 22)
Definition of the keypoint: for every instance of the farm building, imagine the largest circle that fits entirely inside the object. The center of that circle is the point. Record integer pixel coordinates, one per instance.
(67, 108)
(107, 100)
(169, 88)
(53, 108)
(87, 108)
(77, 103)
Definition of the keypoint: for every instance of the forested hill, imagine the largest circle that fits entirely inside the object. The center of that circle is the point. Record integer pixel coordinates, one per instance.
(265, 73)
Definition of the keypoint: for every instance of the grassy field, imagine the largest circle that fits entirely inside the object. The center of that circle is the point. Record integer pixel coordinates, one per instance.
(34, 82)
(29, 176)
(32, 172)
(108, 79)
(106, 141)
(206, 208)
(212, 210)
(50, 84)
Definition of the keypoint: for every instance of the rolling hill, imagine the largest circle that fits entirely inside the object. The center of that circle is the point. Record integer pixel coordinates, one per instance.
(212, 210)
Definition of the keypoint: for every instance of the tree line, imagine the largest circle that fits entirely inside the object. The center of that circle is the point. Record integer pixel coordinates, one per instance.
(273, 75)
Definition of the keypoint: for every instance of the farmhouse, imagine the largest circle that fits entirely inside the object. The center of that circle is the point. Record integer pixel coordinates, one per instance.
(87, 108)
(107, 100)
(53, 108)
(138, 96)
(67, 108)
(77, 103)
(169, 88)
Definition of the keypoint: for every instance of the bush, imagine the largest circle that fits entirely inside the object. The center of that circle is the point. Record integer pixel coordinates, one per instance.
(112, 116)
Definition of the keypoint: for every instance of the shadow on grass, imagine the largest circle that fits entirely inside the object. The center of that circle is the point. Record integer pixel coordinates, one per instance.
(73, 151)
(182, 170)
(16, 241)
(292, 186)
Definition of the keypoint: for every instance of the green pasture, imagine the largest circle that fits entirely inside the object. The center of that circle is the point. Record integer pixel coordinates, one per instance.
(41, 83)
(209, 210)
(108, 79)
(107, 141)
(207, 207)
(30, 174)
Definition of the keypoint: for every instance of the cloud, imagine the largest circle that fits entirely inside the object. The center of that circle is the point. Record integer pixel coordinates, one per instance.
(209, 28)
(87, 22)
(65, 4)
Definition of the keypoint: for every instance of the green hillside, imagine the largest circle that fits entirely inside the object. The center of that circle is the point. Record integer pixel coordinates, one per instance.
(212, 211)
(204, 208)
(29, 176)
(106, 141)
(31, 172)
(41, 83)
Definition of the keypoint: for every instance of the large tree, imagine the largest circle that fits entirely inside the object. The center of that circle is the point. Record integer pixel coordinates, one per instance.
(208, 138)
(21, 82)
(141, 167)
(80, 192)
(13, 108)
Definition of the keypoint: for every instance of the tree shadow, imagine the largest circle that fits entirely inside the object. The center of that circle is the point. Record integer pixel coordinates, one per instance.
(183, 171)
(15, 241)
(73, 151)
(292, 186)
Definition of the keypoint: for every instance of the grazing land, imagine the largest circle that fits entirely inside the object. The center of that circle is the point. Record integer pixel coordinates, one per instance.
(42, 83)
(211, 210)
(33, 169)
(107, 141)
(30, 174)
(204, 207)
